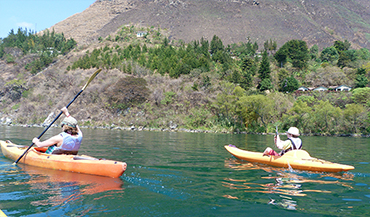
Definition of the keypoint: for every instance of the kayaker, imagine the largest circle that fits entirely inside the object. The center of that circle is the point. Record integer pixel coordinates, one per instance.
(292, 143)
(67, 142)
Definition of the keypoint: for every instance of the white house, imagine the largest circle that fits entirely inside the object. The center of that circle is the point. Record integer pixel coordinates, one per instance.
(320, 89)
(343, 88)
(140, 34)
(303, 89)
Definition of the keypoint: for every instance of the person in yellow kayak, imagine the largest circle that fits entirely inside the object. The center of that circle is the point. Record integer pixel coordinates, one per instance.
(67, 142)
(292, 143)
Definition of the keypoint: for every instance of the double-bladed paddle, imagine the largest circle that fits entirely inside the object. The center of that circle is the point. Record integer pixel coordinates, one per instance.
(88, 82)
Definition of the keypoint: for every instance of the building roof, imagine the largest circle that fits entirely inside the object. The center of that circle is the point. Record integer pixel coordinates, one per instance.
(303, 88)
(320, 88)
(343, 87)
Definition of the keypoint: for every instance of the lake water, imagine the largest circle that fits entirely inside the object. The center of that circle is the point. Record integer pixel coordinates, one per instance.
(186, 174)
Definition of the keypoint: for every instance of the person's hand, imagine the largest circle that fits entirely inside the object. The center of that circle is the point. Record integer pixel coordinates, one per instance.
(65, 111)
(35, 140)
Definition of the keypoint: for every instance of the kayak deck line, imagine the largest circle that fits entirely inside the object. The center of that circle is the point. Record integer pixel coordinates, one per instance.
(2, 214)
(73, 163)
(296, 159)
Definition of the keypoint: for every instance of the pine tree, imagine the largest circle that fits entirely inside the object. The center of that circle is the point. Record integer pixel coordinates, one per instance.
(264, 70)
(264, 73)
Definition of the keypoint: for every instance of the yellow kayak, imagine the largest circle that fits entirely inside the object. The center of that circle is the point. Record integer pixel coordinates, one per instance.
(296, 159)
(2, 214)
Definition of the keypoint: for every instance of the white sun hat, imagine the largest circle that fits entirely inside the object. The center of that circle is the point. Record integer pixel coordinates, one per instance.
(294, 131)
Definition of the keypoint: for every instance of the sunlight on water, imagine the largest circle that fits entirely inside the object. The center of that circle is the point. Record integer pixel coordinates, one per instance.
(285, 186)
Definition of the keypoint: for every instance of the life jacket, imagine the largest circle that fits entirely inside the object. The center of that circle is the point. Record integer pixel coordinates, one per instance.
(70, 145)
(296, 145)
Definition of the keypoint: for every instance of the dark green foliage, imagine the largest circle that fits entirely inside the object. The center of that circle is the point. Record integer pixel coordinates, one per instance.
(48, 46)
(361, 79)
(363, 54)
(341, 46)
(295, 51)
(329, 54)
(246, 80)
(265, 84)
(164, 59)
(244, 50)
(206, 82)
(314, 52)
(281, 56)
(264, 71)
(289, 84)
(270, 46)
(216, 45)
(346, 58)
(249, 65)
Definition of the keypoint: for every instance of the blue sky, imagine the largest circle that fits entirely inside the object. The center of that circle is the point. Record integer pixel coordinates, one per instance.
(37, 15)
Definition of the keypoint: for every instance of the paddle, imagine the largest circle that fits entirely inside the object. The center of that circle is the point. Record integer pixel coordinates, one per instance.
(88, 82)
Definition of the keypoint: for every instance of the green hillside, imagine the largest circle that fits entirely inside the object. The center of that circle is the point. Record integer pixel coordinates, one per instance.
(153, 83)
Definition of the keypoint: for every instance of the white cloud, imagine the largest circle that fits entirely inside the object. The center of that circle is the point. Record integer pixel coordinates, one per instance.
(26, 25)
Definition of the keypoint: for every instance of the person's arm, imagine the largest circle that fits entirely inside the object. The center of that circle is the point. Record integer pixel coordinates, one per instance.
(55, 140)
(79, 131)
(283, 145)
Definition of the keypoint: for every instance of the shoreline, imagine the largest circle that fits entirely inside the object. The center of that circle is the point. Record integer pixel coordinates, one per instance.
(184, 130)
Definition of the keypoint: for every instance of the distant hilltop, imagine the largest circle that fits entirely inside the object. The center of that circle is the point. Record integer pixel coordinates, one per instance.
(316, 22)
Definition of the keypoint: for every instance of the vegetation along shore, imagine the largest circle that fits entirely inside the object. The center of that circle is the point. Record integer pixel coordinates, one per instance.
(150, 82)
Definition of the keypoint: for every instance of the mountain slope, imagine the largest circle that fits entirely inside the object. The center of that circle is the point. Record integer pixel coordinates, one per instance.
(315, 21)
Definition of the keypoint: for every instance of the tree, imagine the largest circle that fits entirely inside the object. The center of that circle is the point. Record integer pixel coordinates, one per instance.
(314, 52)
(270, 45)
(361, 95)
(256, 108)
(225, 104)
(295, 51)
(299, 115)
(216, 45)
(264, 73)
(361, 79)
(248, 65)
(363, 54)
(265, 84)
(329, 54)
(326, 116)
(289, 84)
(204, 47)
(341, 46)
(246, 80)
(355, 114)
(281, 56)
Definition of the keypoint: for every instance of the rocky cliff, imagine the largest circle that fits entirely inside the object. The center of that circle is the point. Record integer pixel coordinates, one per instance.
(315, 21)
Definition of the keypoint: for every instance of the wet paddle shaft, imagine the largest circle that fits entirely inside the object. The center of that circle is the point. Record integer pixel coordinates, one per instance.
(88, 82)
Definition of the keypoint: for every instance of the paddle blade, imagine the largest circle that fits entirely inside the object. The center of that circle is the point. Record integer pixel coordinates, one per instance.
(92, 78)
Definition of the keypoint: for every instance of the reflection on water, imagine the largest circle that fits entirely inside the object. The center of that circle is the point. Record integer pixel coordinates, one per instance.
(282, 182)
(61, 187)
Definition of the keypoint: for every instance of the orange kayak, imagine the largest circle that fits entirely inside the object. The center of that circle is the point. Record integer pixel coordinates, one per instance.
(296, 159)
(73, 163)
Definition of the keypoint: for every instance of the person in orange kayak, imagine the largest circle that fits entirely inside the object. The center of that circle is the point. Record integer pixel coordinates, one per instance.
(292, 143)
(67, 142)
